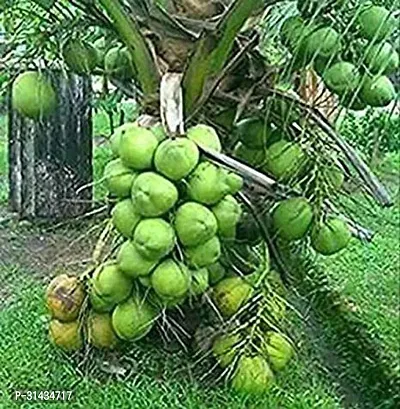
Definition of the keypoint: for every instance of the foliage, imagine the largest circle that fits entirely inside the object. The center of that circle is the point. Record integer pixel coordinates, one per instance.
(372, 131)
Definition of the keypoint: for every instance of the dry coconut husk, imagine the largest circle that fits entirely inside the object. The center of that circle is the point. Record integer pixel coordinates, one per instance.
(174, 52)
(198, 9)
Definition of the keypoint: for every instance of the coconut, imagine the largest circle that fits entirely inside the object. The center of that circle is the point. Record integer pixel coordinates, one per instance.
(334, 177)
(254, 132)
(225, 348)
(137, 147)
(378, 91)
(252, 376)
(176, 158)
(66, 335)
(118, 63)
(154, 238)
(382, 58)
(292, 218)
(225, 118)
(111, 284)
(115, 139)
(353, 101)
(216, 272)
(285, 160)
(64, 297)
(153, 195)
(376, 23)
(204, 254)
(133, 319)
(204, 135)
(118, 178)
(132, 263)
(145, 281)
(171, 280)
(207, 184)
(33, 95)
(159, 132)
(324, 42)
(254, 157)
(199, 283)
(330, 237)
(228, 213)
(100, 331)
(80, 56)
(290, 29)
(342, 77)
(233, 181)
(99, 303)
(125, 217)
(278, 350)
(231, 294)
(194, 224)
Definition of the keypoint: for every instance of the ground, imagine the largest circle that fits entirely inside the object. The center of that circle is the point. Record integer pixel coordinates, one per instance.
(144, 375)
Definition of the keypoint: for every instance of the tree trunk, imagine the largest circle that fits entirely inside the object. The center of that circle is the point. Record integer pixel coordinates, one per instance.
(51, 159)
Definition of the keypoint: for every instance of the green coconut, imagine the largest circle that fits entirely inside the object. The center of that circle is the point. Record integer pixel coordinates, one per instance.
(118, 63)
(231, 294)
(125, 217)
(66, 335)
(253, 157)
(204, 135)
(80, 56)
(100, 331)
(194, 224)
(207, 184)
(159, 132)
(154, 238)
(254, 132)
(342, 77)
(111, 284)
(64, 297)
(153, 195)
(118, 178)
(145, 281)
(353, 101)
(290, 28)
(171, 280)
(252, 376)
(330, 237)
(204, 254)
(225, 348)
(216, 272)
(376, 23)
(285, 160)
(176, 158)
(132, 263)
(99, 303)
(200, 282)
(382, 58)
(324, 42)
(334, 177)
(115, 139)
(278, 350)
(137, 147)
(233, 181)
(292, 218)
(33, 95)
(228, 213)
(133, 319)
(377, 91)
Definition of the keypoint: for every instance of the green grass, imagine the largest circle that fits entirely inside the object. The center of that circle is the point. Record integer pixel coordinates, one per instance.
(28, 361)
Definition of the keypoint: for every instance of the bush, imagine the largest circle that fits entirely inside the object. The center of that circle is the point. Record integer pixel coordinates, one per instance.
(374, 133)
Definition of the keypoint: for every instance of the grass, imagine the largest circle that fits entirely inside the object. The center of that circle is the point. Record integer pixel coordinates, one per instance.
(28, 361)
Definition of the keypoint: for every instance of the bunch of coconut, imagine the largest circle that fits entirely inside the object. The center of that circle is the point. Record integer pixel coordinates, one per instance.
(360, 80)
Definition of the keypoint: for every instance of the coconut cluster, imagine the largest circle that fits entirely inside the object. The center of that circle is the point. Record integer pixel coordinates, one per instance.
(251, 360)
(326, 50)
(174, 210)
